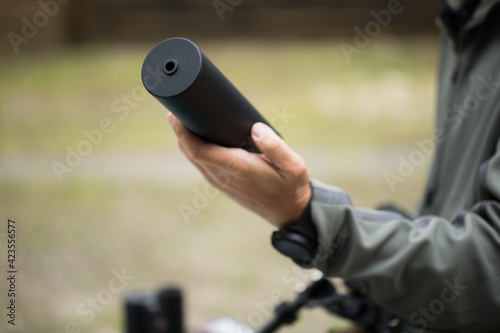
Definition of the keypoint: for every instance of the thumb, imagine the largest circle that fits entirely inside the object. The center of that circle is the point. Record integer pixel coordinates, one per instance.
(273, 147)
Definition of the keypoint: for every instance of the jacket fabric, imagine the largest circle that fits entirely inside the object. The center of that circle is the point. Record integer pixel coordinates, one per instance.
(438, 272)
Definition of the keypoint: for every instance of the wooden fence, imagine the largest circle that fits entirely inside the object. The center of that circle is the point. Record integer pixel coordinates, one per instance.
(75, 21)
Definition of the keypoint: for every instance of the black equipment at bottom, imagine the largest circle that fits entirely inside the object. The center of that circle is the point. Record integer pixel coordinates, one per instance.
(162, 313)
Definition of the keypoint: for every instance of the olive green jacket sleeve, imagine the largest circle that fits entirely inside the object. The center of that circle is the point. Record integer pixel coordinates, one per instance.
(430, 271)
(440, 271)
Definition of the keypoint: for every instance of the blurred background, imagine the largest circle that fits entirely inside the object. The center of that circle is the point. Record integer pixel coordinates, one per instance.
(350, 88)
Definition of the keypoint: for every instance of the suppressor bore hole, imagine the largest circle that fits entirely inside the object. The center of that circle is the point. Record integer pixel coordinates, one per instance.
(170, 66)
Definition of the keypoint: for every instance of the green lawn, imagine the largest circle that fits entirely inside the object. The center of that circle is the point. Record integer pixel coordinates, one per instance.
(119, 207)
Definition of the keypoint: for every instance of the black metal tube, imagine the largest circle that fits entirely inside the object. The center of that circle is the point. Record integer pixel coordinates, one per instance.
(171, 309)
(187, 83)
(139, 313)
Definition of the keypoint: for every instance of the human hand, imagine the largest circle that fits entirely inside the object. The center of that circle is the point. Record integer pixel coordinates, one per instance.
(274, 184)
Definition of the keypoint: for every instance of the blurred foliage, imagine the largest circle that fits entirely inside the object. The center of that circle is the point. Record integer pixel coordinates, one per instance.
(120, 207)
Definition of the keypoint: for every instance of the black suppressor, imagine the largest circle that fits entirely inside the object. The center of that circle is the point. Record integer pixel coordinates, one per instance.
(187, 83)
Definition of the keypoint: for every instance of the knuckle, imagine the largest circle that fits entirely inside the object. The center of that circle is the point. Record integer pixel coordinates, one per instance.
(294, 172)
(297, 168)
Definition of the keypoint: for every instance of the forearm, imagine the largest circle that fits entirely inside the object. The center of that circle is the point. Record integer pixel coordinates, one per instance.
(427, 259)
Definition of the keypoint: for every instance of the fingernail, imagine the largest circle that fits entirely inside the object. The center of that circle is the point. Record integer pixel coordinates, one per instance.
(259, 131)
(171, 118)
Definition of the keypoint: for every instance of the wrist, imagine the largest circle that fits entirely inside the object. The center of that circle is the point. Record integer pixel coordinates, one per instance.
(299, 206)
(298, 240)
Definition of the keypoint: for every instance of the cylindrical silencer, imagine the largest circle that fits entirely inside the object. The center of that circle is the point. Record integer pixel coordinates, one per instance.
(187, 83)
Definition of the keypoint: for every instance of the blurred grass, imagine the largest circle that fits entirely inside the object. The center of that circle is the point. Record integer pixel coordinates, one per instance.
(351, 122)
